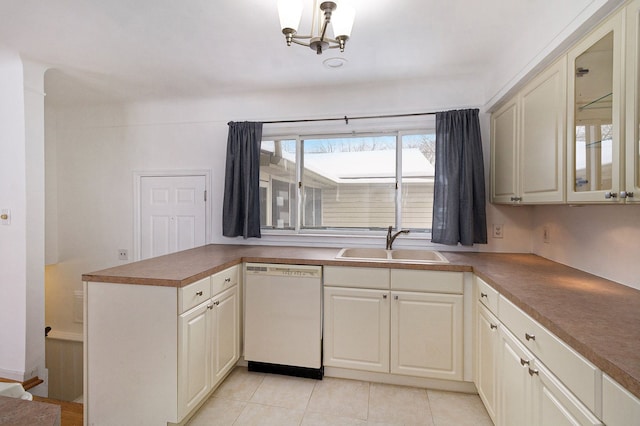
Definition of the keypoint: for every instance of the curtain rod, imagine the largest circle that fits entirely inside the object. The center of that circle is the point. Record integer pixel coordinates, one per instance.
(346, 119)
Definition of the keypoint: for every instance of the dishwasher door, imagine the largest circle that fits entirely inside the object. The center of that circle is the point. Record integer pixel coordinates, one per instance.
(283, 316)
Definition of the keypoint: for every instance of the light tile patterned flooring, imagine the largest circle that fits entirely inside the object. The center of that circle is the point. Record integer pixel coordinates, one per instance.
(248, 398)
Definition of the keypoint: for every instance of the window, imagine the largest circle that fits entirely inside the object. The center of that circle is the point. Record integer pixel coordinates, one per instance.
(348, 183)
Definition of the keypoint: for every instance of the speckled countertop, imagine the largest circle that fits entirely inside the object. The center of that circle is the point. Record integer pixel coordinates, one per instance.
(18, 412)
(599, 318)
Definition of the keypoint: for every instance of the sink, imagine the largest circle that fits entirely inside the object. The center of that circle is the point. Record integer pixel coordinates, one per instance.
(364, 253)
(399, 255)
(429, 256)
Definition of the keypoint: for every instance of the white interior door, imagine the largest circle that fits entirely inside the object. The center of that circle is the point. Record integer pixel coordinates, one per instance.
(172, 214)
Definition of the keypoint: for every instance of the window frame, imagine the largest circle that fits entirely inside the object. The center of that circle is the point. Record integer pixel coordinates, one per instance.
(406, 127)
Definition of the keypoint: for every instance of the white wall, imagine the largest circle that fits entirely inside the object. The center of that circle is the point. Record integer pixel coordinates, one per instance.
(99, 148)
(13, 250)
(602, 240)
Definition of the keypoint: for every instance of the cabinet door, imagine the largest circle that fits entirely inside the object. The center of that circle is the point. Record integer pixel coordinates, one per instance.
(504, 154)
(554, 404)
(426, 335)
(487, 345)
(193, 357)
(356, 329)
(225, 333)
(632, 140)
(514, 383)
(594, 169)
(543, 104)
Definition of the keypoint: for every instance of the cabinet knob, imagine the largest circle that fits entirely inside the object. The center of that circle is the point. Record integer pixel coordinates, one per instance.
(217, 302)
(395, 297)
(625, 194)
(199, 293)
(524, 362)
(493, 326)
(384, 296)
(533, 371)
(610, 194)
(529, 336)
(483, 295)
(210, 306)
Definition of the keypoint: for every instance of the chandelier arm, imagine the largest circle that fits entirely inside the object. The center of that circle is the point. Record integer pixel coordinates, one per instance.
(302, 37)
(301, 43)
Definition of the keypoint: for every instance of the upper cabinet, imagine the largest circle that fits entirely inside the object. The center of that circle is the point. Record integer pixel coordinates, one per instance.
(631, 190)
(572, 135)
(528, 142)
(594, 160)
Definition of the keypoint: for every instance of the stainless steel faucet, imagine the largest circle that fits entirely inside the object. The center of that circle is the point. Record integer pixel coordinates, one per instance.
(392, 237)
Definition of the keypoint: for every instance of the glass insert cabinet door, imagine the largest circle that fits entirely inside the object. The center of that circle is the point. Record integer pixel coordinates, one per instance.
(594, 113)
(631, 190)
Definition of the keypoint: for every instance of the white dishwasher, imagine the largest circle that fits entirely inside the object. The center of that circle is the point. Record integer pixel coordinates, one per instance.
(283, 319)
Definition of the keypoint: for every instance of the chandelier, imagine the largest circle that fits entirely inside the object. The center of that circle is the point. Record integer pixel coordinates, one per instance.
(338, 13)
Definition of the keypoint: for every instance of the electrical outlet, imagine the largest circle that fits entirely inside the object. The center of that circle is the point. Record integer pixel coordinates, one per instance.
(546, 235)
(123, 254)
(498, 230)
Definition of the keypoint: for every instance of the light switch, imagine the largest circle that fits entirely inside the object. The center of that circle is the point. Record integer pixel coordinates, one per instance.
(5, 216)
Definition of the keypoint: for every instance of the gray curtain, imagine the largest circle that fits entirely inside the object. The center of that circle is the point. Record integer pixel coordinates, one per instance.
(241, 208)
(459, 214)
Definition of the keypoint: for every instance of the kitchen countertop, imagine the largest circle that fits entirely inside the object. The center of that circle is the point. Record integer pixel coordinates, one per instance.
(599, 318)
(18, 412)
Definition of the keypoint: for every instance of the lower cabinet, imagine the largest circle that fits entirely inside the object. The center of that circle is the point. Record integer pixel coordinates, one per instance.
(529, 394)
(487, 346)
(208, 347)
(387, 331)
(153, 353)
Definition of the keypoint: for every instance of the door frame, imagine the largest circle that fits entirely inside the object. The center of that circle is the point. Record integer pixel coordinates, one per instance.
(137, 219)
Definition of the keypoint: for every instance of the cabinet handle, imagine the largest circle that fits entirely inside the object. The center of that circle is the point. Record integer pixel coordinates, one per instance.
(217, 302)
(395, 297)
(610, 194)
(534, 371)
(199, 293)
(524, 362)
(529, 336)
(483, 295)
(625, 194)
(384, 296)
(210, 306)
(493, 326)
(227, 280)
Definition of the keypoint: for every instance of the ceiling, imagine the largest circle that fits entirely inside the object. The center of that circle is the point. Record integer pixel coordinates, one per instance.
(145, 49)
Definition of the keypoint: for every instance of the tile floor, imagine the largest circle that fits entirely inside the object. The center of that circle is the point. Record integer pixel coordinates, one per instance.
(247, 398)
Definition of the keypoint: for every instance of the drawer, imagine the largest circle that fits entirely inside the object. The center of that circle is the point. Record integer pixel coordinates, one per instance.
(224, 279)
(194, 294)
(346, 276)
(578, 374)
(487, 295)
(427, 281)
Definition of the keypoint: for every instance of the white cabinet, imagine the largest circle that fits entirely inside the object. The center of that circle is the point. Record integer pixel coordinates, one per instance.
(529, 394)
(524, 374)
(619, 406)
(153, 353)
(528, 142)
(487, 345)
(426, 335)
(595, 117)
(415, 333)
(194, 357)
(209, 343)
(225, 328)
(631, 190)
(356, 328)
